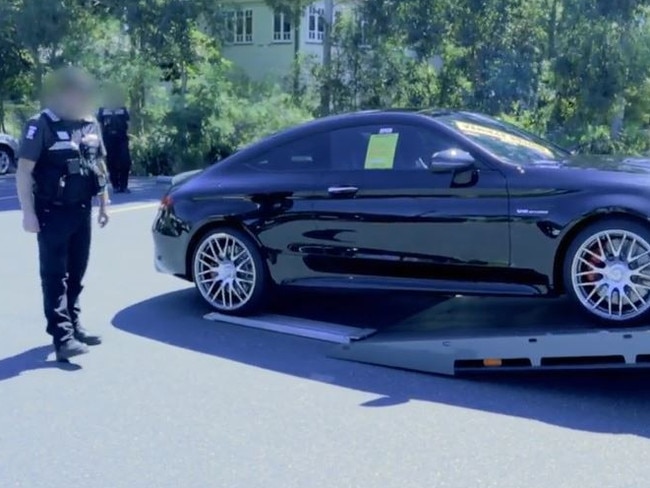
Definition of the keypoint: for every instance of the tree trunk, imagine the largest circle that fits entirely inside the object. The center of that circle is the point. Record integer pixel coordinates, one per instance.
(326, 88)
(38, 74)
(617, 123)
(2, 114)
(295, 81)
(138, 91)
(552, 29)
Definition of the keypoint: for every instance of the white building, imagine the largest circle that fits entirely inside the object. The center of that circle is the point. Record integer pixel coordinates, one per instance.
(261, 42)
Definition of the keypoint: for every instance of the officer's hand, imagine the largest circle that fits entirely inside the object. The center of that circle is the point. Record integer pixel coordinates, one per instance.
(102, 218)
(30, 223)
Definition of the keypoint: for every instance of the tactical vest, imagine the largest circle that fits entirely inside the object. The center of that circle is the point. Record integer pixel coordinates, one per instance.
(114, 122)
(62, 174)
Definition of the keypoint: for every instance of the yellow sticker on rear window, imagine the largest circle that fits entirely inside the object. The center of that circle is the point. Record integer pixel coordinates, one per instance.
(381, 151)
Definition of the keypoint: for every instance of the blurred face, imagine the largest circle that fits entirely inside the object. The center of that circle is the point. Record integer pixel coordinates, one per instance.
(73, 102)
(114, 99)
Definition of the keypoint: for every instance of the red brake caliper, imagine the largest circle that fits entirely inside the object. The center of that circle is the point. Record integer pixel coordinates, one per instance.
(591, 277)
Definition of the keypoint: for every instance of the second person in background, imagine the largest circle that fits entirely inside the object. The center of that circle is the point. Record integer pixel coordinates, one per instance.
(114, 121)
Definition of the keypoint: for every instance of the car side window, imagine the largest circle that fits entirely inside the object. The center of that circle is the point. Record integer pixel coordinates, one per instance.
(309, 153)
(386, 147)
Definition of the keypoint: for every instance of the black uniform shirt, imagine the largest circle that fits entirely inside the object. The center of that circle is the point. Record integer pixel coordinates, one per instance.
(38, 138)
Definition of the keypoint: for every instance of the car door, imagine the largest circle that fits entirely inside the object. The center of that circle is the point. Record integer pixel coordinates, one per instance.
(279, 183)
(386, 211)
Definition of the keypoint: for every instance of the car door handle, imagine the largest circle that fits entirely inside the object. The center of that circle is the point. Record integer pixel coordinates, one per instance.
(342, 190)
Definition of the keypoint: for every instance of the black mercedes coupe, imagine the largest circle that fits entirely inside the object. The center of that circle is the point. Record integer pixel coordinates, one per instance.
(440, 201)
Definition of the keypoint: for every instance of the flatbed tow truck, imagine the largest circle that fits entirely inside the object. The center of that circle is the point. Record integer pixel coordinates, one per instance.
(456, 335)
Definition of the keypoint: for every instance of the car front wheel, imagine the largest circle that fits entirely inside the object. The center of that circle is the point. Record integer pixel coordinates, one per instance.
(229, 272)
(607, 271)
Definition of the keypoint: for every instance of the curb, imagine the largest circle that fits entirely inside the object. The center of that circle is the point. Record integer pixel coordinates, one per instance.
(163, 180)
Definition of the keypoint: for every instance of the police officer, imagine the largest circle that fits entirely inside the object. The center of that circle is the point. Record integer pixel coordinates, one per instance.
(60, 170)
(114, 121)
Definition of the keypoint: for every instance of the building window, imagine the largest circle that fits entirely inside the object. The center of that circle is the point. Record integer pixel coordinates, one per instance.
(239, 26)
(316, 24)
(281, 27)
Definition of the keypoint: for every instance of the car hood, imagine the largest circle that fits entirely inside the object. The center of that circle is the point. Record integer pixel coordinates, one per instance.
(623, 164)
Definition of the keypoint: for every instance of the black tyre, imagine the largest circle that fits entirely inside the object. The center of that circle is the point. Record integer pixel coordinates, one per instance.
(230, 273)
(6, 160)
(607, 271)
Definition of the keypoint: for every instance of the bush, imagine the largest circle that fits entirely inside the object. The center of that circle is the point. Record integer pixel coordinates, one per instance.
(211, 120)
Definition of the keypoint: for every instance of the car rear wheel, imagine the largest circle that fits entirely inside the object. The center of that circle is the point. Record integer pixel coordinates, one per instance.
(229, 272)
(607, 271)
(5, 160)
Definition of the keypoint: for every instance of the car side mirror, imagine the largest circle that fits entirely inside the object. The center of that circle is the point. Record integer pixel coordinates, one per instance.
(451, 161)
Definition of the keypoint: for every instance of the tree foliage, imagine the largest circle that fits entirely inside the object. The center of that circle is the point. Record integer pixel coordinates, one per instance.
(577, 70)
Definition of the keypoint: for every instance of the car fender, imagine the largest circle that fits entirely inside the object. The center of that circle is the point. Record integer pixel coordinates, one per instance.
(212, 216)
(633, 208)
(540, 239)
(596, 207)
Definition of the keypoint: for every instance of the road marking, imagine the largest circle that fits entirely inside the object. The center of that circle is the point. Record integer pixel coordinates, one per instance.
(133, 207)
(114, 210)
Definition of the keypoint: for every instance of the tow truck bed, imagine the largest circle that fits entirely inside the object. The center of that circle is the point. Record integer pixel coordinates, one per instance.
(455, 335)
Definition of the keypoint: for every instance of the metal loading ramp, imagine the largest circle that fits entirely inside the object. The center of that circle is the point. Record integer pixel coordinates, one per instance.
(456, 335)
(301, 327)
(587, 350)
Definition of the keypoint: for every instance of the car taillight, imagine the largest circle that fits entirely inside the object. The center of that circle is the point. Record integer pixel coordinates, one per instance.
(166, 202)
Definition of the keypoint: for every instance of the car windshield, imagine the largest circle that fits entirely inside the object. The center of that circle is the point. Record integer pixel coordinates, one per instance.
(504, 140)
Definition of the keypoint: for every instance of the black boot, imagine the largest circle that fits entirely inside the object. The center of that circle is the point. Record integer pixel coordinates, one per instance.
(85, 337)
(70, 349)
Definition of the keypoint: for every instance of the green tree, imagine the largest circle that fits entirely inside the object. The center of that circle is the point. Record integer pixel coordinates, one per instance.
(15, 62)
(41, 30)
(601, 53)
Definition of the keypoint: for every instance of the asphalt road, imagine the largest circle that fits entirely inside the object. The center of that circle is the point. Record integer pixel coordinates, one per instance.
(172, 400)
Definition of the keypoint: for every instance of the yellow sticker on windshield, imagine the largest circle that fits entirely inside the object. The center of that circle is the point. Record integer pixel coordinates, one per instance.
(502, 136)
(381, 151)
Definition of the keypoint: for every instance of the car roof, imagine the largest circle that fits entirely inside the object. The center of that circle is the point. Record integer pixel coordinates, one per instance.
(360, 114)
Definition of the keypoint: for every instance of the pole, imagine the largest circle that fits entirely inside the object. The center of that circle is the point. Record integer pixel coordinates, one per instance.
(328, 19)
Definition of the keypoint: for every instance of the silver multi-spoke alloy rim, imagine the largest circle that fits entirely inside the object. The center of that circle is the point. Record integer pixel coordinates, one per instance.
(5, 162)
(611, 274)
(224, 271)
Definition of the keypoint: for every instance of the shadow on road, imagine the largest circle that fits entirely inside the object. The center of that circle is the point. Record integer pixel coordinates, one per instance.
(31, 360)
(603, 402)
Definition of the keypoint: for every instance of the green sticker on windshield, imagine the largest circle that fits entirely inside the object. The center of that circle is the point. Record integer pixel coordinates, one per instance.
(381, 151)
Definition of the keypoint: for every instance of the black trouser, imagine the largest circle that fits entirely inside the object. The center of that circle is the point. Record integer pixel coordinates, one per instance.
(118, 160)
(64, 248)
